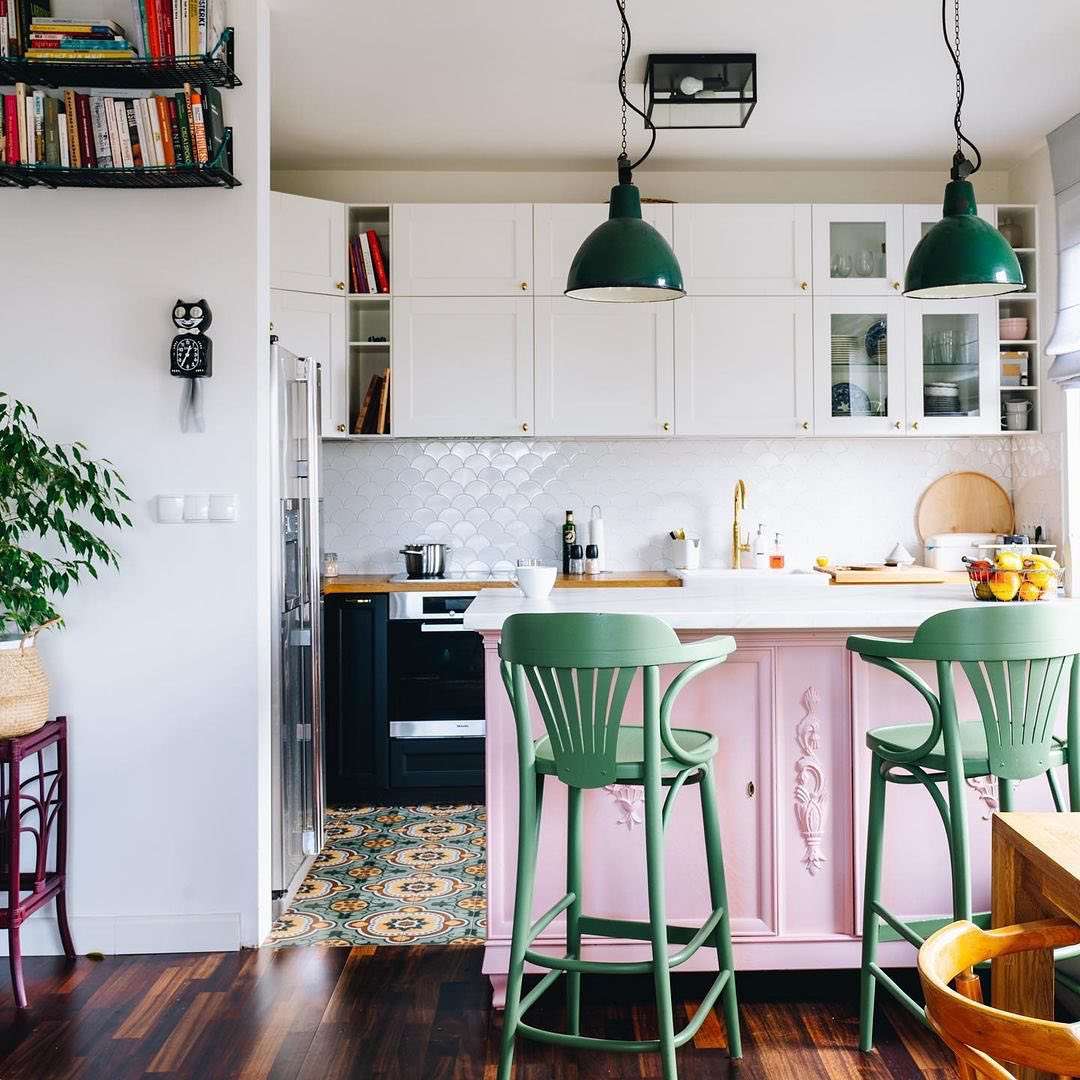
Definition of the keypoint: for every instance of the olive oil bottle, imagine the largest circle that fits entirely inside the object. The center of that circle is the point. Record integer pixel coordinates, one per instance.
(569, 539)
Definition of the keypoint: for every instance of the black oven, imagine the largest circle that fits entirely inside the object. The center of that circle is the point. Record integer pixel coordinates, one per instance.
(436, 691)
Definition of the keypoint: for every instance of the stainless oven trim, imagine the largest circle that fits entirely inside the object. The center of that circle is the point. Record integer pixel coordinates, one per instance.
(410, 605)
(437, 729)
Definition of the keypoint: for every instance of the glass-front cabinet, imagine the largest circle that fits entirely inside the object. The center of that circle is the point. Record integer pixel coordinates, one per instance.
(858, 249)
(859, 358)
(952, 371)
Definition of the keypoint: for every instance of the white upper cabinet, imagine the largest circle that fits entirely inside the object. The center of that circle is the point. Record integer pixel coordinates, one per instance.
(919, 218)
(859, 365)
(858, 249)
(953, 372)
(603, 369)
(307, 244)
(314, 326)
(462, 366)
(743, 366)
(462, 249)
(559, 230)
(744, 250)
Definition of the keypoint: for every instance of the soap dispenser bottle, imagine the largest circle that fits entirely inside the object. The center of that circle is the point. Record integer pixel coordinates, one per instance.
(761, 553)
(776, 557)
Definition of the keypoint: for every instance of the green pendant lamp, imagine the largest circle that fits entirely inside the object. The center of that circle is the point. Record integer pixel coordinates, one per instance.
(625, 260)
(962, 256)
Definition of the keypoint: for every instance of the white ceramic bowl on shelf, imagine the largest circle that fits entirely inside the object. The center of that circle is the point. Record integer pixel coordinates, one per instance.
(1013, 329)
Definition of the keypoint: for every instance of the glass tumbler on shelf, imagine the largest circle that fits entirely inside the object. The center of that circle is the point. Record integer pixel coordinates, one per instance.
(841, 266)
(330, 564)
(865, 264)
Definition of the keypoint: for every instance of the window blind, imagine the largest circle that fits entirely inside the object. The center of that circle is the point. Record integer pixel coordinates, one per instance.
(1064, 346)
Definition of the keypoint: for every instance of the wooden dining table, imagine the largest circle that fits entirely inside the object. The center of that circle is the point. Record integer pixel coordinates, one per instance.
(1036, 875)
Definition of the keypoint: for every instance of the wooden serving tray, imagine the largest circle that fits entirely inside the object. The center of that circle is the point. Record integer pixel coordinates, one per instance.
(877, 574)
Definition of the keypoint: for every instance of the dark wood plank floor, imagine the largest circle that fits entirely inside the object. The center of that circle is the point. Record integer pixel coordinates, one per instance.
(416, 1013)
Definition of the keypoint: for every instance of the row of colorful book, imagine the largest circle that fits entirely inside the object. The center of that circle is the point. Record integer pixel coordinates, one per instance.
(161, 29)
(102, 131)
(368, 271)
(373, 416)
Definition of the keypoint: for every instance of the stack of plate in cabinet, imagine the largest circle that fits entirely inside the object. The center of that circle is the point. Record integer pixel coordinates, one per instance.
(941, 399)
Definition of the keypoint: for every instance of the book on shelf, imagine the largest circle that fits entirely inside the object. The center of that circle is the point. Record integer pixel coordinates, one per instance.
(367, 264)
(373, 416)
(160, 29)
(71, 129)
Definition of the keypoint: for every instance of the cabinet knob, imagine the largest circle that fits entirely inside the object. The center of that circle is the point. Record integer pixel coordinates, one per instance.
(806, 425)
(915, 426)
(341, 427)
(340, 285)
(524, 427)
(804, 285)
(898, 425)
(524, 286)
(751, 789)
(667, 426)
(896, 285)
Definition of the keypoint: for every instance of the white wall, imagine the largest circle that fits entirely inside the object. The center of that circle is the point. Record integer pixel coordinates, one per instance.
(163, 667)
(702, 186)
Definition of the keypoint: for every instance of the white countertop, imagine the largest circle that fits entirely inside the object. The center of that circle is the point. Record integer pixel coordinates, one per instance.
(744, 606)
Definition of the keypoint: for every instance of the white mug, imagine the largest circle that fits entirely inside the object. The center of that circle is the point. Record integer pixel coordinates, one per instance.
(1016, 415)
(536, 582)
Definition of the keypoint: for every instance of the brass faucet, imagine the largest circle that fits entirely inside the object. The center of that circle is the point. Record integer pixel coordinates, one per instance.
(737, 545)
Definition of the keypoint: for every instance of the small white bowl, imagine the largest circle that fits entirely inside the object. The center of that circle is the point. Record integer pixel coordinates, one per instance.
(536, 582)
(1013, 329)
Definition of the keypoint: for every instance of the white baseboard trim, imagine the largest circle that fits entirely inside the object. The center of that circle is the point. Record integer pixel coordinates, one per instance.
(119, 934)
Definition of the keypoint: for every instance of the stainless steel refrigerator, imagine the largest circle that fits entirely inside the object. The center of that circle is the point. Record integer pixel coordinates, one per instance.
(296, 655)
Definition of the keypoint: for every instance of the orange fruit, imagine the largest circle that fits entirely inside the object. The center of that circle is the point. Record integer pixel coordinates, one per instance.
(1005, 584)
(1030, 591)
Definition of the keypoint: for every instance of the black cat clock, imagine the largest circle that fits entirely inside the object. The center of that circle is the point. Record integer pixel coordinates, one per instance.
(191, 355)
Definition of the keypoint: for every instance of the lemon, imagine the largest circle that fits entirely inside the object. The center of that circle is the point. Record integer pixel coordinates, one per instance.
(1009, 560)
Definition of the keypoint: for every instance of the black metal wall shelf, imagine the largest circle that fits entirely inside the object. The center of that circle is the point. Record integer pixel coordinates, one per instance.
(213, 69)
(218, 173)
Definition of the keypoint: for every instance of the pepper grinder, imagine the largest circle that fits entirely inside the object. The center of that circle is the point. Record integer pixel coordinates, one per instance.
(596, 537)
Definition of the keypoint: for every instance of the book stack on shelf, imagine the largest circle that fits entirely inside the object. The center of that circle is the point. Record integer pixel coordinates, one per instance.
(373, 417)
(69, 39)
(160, 29)
(367, 264)
(100, 131)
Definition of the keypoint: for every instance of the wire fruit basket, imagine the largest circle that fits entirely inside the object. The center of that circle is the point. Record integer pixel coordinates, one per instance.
(1023, 579)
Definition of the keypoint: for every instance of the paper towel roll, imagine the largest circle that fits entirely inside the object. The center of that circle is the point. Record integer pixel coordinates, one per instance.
(596, 536)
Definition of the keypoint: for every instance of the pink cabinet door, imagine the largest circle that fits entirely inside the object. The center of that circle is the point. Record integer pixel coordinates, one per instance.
(814, 857)
(733, 700)
(915, 876)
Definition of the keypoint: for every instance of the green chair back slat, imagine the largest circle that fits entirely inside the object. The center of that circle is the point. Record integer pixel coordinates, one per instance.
(1018, 701)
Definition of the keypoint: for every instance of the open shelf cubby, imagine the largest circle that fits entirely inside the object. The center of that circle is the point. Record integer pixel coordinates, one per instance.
(361, 219)
(1021, 226)
(215, 68)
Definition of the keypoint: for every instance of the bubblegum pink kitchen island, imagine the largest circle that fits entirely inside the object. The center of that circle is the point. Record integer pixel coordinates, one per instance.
(790, 708)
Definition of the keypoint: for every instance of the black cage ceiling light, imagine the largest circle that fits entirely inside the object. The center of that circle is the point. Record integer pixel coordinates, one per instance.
(700, 90)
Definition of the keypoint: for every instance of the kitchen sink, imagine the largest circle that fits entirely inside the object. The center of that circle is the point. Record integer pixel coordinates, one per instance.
(788, 578)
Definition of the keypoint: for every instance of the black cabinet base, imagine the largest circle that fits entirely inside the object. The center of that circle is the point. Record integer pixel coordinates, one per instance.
(444, 763)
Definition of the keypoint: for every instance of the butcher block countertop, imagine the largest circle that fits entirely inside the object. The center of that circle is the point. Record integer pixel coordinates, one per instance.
(383, 583)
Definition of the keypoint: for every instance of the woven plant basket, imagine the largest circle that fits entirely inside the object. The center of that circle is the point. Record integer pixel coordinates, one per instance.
(24, 687)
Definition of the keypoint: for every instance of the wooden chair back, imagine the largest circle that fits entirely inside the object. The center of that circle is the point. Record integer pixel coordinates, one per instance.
(981, 1036)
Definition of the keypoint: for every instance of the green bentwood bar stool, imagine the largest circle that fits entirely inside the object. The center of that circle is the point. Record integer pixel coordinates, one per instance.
(579, 668)
(1020, 660)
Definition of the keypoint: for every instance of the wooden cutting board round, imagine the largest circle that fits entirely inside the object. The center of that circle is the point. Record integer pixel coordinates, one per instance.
(964, 502)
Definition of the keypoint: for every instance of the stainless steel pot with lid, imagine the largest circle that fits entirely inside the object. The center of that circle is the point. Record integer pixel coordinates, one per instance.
(424, 560)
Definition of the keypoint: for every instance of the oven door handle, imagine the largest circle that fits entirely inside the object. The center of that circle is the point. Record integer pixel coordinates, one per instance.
(442, 628)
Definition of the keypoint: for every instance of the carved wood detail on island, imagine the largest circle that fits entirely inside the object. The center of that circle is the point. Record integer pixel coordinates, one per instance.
(811, 795)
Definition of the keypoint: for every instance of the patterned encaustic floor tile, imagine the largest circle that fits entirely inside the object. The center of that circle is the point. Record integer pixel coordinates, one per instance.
(392, 875)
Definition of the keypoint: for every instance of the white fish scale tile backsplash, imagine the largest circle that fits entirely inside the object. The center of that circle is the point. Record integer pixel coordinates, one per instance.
(495, 501)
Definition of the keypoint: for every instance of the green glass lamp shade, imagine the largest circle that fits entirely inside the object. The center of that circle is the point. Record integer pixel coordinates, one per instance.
(962, 255)
(625, 260)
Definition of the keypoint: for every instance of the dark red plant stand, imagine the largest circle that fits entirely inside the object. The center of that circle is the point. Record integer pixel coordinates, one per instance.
(33, 804)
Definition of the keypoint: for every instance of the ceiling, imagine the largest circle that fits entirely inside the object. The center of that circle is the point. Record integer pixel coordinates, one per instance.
(505, 85)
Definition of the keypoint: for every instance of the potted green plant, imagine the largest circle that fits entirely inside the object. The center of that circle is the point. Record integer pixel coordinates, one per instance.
(47, 494)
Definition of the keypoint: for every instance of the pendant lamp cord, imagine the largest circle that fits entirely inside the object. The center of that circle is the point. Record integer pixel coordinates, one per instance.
(625, 164)
(962, 167)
